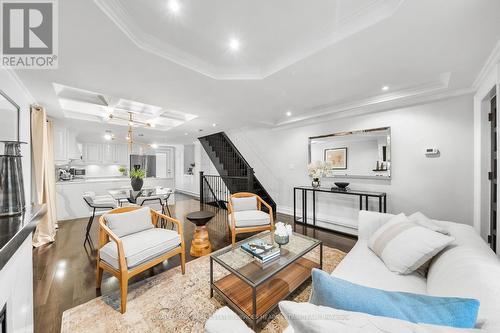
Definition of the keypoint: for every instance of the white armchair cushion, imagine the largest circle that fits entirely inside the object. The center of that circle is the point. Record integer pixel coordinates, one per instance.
(249, 218)
(123, 224)
(242, 204)
(141, 247)
(226, 321)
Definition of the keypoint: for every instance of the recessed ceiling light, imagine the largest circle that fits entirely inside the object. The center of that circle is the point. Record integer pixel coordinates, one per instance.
(385, 88)
(234, 44)
(288, 113)
(108, 135)
(186, 133)
(154, 145)
(214, 124)
(174, 6)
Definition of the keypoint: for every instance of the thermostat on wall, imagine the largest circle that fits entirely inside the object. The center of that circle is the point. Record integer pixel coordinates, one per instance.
(432, 152)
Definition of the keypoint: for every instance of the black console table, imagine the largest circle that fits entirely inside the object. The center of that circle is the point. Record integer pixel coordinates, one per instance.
(382, 200)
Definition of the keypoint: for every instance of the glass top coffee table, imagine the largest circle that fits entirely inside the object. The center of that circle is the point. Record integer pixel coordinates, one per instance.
(254, 290)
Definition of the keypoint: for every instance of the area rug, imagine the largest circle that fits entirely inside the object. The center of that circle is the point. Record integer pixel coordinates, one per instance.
(172, 302)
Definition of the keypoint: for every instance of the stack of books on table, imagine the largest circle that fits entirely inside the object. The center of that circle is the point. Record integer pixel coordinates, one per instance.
(262, 251)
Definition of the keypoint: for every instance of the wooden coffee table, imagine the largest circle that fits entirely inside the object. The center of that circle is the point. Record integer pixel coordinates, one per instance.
(254, 291)
(200, 245)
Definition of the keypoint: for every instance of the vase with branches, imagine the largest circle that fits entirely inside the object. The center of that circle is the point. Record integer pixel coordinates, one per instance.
(317, 170)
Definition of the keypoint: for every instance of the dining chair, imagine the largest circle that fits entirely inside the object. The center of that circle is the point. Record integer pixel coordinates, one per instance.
(245, 214)
(96, 203)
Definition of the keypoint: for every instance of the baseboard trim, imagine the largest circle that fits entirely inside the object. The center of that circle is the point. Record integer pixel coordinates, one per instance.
(322, 222)
(190, 193)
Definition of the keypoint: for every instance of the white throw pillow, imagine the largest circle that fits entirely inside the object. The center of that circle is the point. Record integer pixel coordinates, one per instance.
(241, 204)
(310, 318)
(404, 246)
(226, 321)
(426, 222)
(123, 224)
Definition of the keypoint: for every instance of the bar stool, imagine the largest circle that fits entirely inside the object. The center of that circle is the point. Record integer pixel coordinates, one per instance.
(100, 202)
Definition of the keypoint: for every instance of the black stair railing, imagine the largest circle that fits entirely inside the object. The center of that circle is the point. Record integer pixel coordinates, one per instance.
(236, 174)
(213, 189)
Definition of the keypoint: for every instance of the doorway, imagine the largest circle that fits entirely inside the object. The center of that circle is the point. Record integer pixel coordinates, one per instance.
(492, 175)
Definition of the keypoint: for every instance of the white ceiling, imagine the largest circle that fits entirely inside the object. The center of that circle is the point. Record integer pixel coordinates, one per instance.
(314, 58)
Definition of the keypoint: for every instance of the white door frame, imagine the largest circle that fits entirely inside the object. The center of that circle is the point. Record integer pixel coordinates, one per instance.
(487, 85)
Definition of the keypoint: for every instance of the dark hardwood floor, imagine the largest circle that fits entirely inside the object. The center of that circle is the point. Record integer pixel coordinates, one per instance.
(64, 271)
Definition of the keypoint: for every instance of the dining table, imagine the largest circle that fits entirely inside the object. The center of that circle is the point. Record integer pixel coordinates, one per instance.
(144, 196)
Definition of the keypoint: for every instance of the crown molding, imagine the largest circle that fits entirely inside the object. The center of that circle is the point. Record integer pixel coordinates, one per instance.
(376, 11)
(492, 61)
(21, 86)
(423, 93)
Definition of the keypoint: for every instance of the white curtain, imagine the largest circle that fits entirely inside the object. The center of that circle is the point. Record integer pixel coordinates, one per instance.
(44, 175)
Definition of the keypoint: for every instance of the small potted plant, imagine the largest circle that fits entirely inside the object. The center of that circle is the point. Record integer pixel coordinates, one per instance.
(123, 170)
(137, 178)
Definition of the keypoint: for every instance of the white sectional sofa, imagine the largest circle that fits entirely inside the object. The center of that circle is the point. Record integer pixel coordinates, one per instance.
(468, 268)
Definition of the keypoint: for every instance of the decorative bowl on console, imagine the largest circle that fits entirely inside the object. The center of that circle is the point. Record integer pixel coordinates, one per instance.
(341, 185)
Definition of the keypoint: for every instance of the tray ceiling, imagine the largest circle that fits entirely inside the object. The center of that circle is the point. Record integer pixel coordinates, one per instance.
(272, 34)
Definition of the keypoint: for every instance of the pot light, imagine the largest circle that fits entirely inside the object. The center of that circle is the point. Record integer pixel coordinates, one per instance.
(108, 135)
(174, 6)
(154, 146)
(385, 88)
(234, 44)
(186, 133)
(214, 124)
(288, 113)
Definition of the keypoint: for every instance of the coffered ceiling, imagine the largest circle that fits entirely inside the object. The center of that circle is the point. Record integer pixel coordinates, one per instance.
(266, 62)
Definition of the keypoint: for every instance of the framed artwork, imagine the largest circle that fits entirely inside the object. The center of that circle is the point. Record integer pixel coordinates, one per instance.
(337, 157)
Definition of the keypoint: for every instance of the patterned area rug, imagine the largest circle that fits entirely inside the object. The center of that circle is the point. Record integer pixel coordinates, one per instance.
(172, 302)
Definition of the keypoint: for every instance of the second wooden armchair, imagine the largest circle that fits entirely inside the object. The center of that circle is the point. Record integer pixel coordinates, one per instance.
(245, 214)
(130, 242)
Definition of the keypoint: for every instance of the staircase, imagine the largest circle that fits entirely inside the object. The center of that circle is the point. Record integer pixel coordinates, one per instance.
(236, 175)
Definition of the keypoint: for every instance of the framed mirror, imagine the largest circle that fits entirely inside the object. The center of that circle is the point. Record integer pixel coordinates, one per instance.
(354, 154)
(9, 118)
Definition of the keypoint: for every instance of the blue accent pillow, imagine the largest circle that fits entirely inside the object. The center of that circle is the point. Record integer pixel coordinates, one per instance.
(343, 295)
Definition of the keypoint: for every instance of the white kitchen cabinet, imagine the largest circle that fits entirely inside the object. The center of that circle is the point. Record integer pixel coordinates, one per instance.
(121, 154)
(92, 153)
(60, 145)
(170, 156)
(73, 147)
(108, 153)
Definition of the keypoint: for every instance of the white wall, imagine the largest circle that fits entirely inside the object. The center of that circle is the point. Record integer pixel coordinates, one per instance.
(439, 187)
(15, 90)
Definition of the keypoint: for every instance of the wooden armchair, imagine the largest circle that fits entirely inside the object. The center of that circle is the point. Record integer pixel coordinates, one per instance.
(245, 214)
(129, 244)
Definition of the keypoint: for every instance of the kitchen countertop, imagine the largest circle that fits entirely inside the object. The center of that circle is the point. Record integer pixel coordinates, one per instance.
(15, 229)
(93, 180)
(102, 180)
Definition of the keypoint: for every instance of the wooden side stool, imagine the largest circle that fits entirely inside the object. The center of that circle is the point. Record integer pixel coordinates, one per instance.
(200, 244)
